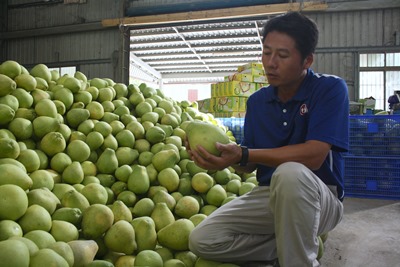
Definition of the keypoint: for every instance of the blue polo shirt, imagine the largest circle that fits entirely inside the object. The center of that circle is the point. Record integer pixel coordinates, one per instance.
(318, 111)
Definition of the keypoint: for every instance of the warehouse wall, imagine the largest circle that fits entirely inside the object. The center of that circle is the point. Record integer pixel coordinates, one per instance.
(59, 34)
(345, 34)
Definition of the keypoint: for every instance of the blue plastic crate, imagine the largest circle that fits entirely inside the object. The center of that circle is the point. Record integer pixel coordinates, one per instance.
(372, 177)
(374, 135)
(235, 125)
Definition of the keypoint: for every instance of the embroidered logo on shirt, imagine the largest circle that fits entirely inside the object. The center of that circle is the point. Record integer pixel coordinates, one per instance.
(303, 109)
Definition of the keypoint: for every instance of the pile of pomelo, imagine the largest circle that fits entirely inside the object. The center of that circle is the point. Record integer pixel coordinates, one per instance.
(95, 173)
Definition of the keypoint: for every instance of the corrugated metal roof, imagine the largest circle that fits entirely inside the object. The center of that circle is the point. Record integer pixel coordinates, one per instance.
(200, 51)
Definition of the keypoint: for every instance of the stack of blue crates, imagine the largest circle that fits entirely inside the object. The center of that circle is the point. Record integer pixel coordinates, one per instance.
(235, 125)
(372, 165)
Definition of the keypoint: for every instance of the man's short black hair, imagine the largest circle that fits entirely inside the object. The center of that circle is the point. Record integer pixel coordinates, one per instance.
(302, 29)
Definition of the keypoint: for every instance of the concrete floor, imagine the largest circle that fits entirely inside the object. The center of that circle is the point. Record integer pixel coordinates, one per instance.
(368, 236)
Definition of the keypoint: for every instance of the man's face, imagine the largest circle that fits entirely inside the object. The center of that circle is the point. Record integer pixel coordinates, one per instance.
(282, 61)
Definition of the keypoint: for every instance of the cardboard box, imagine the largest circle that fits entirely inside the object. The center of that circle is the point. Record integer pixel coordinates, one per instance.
(236, 88)
(253, 71)
(204, 105)
(260, 79)
(242, 77)
(251, 65)
(229, 104)
(368, 103)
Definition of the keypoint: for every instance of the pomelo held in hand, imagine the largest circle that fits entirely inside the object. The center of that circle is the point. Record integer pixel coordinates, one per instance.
(206, 135)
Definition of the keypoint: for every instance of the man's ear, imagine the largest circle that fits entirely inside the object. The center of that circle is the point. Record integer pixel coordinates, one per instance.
(308, 61)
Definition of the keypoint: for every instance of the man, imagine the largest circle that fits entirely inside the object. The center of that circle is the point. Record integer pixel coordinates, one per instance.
(295, 132)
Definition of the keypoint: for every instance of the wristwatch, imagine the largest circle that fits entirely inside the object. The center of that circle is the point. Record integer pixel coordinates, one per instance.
(245, 156)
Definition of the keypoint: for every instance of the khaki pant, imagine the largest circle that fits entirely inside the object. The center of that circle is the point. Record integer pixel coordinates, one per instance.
(280, 221)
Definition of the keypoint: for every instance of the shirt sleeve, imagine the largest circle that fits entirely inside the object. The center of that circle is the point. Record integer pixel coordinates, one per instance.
(329, 121)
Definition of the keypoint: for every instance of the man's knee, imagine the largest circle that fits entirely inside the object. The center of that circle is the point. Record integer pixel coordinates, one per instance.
(287, 176)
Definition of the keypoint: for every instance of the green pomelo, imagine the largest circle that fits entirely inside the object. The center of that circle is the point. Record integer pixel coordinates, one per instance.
(80, 76)
(9, 251)
(145, 158)
(95, 193)
(126, 155)
(10, 68)
(117, 126)
(165, 159)
(74, 199)
(145, 232)
(44, 198)
(162, 216)
(60, 161)
(73, 84)
(148, 258)
(84, 251)
(71, 215)
(96, 110)
(168, 178)
(6, 114)
(138, 181)
(202, 182)
(206, 135)
(136, 98)
(13, 202)
(76, 116)
(47, 257)
(36, 217)
(216, 195)
(64, 250)
(21, 128)
(107, 162)
(25, 99)
(94, 140)
(96, 220)
(155, 134)
(43, 125)
(143, 108)
(144, 207)
(9, 228)
(137, 129)
(78, 150)
(64, 231)
(120, 237)
(10, 101)
(9, 148)
(86, 126)
(125, 138)
(103, 127)
(166, 105)
(187, 257)
(41, 84)
(64, 95)
(39, 94)
(42, 239)
(187, 206)
(98, 83)
(46, 107)
(73, 173)
(121, 90)
(176, 235)
(106, 94)
(7, 85)
(30, 159)
(42, 71)
(26, 82)
(32, 247)
(164, 197)
(121, 211)
(52, 143)
(11, 174)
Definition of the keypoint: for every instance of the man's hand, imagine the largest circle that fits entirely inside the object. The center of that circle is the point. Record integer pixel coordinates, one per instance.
(230, 155)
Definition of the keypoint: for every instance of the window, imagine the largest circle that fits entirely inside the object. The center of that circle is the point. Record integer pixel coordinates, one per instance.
(65, 70)
(379, 77)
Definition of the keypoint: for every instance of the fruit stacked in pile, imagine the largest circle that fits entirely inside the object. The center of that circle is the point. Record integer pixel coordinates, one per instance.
(95, 173)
